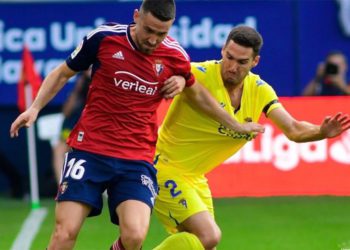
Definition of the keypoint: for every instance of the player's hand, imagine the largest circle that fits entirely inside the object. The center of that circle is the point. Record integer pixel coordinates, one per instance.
(26, 119)
(252, 127)
(173, 86)
(333, 126)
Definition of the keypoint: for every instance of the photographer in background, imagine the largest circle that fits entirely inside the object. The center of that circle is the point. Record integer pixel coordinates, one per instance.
(330, 79)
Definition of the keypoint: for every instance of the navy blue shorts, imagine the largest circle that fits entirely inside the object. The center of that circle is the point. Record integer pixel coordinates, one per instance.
(86, 176)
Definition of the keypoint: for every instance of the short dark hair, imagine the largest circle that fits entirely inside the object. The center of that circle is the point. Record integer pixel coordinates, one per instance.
(247, 37)
(164, 10)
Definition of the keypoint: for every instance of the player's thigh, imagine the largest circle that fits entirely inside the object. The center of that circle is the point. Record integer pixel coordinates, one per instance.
(70, 215)
(200, 224)
(134, 217)
(177, 201)
(136, 182)
(84, 178)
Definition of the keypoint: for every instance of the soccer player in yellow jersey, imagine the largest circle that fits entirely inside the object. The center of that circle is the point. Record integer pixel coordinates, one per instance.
(191, 144)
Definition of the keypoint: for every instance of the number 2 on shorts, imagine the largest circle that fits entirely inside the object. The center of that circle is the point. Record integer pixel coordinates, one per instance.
(172, 185)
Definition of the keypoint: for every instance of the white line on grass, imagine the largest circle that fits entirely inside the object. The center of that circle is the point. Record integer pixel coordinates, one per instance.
(29, 229)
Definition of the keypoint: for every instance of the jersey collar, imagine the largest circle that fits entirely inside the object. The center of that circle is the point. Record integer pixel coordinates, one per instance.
(128, 32)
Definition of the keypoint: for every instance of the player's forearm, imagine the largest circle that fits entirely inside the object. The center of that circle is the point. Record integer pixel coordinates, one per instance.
(51, 85)
(203, 100)
(305, 132)
(217, 113)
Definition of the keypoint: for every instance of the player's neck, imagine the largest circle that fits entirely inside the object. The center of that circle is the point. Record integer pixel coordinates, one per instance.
(132, 33)
(235, 93)
(234, 88)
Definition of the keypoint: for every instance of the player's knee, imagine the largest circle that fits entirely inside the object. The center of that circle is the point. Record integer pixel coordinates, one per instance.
(133, 238)
(210, 238)
(65, 233)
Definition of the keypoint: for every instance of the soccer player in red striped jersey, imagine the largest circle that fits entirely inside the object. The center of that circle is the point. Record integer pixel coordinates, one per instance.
(133, 67)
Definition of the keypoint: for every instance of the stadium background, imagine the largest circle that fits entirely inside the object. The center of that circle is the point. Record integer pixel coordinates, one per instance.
(297, 36)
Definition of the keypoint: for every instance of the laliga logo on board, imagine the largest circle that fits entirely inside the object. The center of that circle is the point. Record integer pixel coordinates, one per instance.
(340, 150)
(344, 15)
(285, 155)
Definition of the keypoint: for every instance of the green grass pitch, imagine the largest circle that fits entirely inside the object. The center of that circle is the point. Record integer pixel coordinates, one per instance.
(278, 223)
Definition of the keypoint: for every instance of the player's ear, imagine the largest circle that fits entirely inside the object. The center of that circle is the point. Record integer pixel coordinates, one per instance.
(136, 15)
(256, 60)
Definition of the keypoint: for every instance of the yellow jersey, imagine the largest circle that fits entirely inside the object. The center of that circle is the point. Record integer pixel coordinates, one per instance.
(192, 143)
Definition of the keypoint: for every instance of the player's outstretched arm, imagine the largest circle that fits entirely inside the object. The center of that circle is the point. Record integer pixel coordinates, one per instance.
(49, 88)
(201, 98)
(301, 131)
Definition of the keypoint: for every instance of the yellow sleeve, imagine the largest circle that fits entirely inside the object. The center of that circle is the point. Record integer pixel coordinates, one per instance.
(269, 98)
(199, 71)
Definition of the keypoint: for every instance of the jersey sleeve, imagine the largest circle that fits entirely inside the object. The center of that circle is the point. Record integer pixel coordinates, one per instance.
(189, 78)
(183, 66)
(199, 71)
(187, 73)
(269, 98)
(85, 53)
